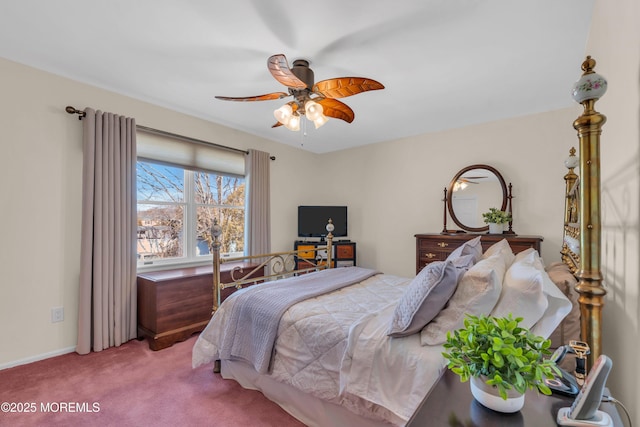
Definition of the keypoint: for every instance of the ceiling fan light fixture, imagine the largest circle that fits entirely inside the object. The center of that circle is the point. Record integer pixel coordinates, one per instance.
(320, 120)
(284, 114)
(299, 79)
(293, 123)
(313, 110)
(459, 185)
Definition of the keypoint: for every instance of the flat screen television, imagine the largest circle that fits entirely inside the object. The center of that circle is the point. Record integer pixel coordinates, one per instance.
(312, 220)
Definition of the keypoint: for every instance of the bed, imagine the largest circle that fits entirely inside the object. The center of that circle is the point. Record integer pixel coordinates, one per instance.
(354, 346)
(329, 359)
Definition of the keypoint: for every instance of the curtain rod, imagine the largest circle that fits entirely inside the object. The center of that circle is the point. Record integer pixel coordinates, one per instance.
(82, 114)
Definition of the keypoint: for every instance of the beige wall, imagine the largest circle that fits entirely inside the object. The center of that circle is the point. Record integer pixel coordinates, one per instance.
(615, 44)
(40, 184)
(398, 186)
(393, 191)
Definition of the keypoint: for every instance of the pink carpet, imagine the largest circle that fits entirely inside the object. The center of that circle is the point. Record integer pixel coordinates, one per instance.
(130, 386)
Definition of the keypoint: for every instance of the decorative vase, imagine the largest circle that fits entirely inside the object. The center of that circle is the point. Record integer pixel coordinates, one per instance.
(495, 228)
(489, 397)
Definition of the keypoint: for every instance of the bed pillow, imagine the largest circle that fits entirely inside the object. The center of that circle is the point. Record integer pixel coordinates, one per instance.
(464, 262)
(558, 308)
(470, 247)
(477, 293)
(423, 299)
(502, 247)
(522, 290)
(569, 328)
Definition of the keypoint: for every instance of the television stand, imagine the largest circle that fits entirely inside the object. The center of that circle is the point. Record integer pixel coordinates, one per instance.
(344, 253)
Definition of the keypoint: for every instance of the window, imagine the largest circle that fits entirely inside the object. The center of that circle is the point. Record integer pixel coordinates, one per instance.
(182, 185)
(176, 208)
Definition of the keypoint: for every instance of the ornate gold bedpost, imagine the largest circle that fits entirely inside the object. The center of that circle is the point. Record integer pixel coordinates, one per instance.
(570, 249)
(330, 227)
(216, 231)
(587, 91)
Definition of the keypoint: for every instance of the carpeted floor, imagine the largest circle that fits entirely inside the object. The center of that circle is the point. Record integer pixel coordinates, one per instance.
(130, 386)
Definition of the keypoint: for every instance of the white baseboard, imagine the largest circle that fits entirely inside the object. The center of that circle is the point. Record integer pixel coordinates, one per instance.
(37, 358)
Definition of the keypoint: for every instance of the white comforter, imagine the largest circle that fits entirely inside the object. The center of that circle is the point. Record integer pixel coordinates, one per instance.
(335, 347)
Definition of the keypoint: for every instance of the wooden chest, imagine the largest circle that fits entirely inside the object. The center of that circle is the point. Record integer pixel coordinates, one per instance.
(174, 304)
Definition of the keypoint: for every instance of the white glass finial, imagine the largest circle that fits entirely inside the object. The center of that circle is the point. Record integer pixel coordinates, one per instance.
(330, 226)
(571, 162)
(591, 85)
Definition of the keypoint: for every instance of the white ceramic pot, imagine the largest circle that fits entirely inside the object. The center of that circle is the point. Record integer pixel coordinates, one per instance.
(496, 228)
(488, 396)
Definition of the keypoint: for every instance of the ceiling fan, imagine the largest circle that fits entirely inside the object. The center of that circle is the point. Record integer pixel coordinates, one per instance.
(316, 101)
(469, 179)
(462, 182)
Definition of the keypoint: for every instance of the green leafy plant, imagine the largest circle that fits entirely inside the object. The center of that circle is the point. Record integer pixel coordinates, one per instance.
(496, 216)
(509, 356)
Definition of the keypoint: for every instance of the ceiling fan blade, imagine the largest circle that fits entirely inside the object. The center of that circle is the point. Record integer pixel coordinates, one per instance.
(279, 68)
(265, 97)
(341, 87)
(336, 109)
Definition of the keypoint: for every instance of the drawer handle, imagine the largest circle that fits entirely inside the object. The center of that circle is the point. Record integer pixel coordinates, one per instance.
(443, 244)
(430, 255)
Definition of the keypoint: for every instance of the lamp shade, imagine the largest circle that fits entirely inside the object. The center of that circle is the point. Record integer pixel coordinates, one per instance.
(313, 110)
(321, 120)
(293, 123)
(283, 114)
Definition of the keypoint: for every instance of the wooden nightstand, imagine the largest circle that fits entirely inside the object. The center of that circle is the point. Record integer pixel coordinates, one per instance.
(450, 403)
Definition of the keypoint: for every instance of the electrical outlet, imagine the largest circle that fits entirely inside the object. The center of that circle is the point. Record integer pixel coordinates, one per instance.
(57, 314)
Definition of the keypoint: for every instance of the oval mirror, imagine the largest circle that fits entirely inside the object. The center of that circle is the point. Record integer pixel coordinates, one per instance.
(473, 191)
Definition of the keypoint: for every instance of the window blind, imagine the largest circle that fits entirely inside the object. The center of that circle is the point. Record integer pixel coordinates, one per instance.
(190, 154)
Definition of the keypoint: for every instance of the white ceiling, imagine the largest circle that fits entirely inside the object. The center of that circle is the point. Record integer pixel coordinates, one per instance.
(445, 63)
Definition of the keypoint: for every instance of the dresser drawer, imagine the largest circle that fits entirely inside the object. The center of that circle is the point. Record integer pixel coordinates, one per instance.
(344, 251)
(426, 257)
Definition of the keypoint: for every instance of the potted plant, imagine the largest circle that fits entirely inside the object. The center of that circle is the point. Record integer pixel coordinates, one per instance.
(496, 220)
(499, 357)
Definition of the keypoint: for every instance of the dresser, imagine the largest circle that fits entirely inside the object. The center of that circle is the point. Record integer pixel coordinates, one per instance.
(174, 304)
(437, 247)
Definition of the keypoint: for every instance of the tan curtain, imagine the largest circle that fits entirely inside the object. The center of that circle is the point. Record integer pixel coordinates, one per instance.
(258, 215)
(107, 305)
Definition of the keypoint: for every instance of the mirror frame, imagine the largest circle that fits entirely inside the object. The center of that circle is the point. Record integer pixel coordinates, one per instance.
(452, 214)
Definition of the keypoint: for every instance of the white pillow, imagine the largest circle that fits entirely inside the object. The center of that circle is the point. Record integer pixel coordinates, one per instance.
(522, 290)
(477, 293)
(569, 328)
(501, 247)
(470, 247)
(423, 299)
(559, 306)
